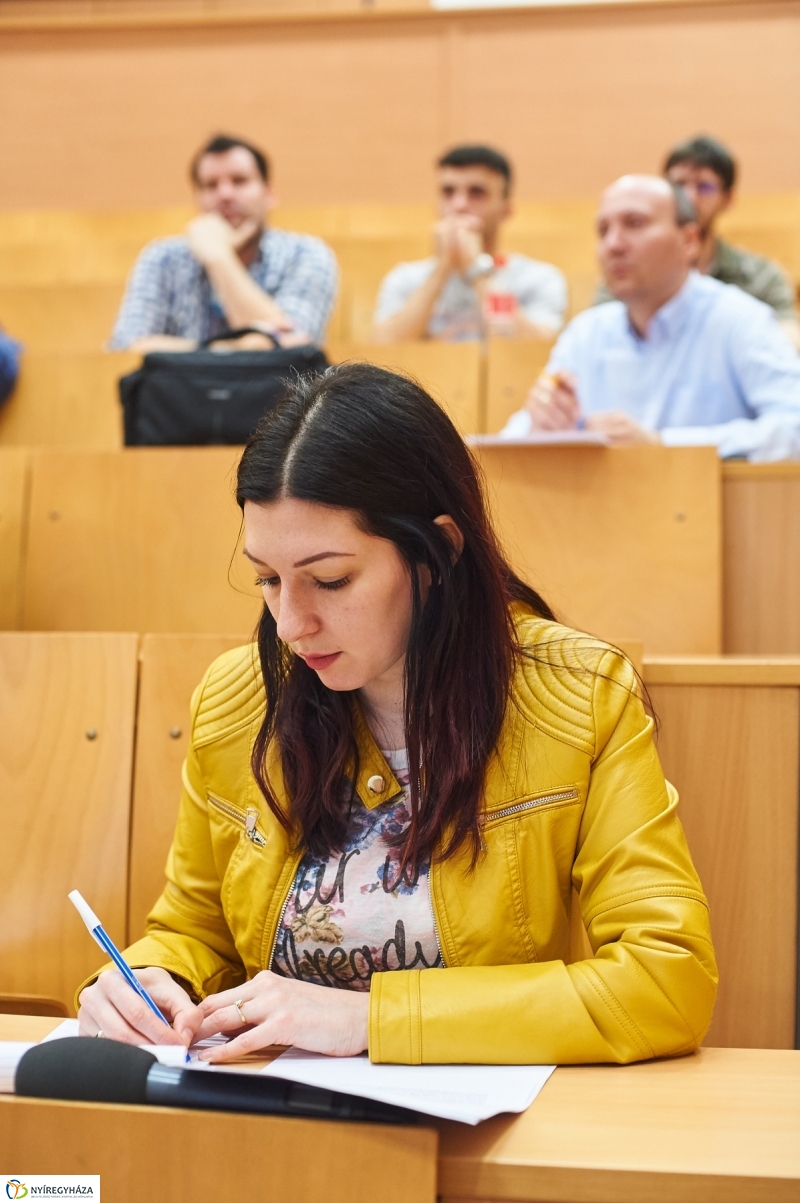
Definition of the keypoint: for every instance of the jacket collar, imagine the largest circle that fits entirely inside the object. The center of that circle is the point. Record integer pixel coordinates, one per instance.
(373, 765)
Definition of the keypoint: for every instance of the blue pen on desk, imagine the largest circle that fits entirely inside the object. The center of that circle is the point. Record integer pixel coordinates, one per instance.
(106, 943)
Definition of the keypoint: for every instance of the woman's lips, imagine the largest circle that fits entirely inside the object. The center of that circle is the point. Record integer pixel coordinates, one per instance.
(319, 663)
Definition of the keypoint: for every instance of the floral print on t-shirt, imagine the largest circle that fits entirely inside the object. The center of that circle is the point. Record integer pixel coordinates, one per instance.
(354, 914)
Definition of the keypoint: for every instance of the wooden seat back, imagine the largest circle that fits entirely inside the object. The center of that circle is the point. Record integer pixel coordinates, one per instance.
(60, 317)
(67, 399)
(729, 741)
(66, 756)
(616, 539)
(171, 667)
(450, 372)
(512, 365)
(142, 539)
(14, 484)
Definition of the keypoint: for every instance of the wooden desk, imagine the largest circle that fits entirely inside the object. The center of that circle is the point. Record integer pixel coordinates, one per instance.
(729, 740)
(620, 541)
(761, 558)
(723, 1125)
(14, 482)
(144, 539)
(67, 400)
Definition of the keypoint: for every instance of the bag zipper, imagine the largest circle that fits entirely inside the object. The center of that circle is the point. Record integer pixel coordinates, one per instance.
(248, 819)
(566, 795)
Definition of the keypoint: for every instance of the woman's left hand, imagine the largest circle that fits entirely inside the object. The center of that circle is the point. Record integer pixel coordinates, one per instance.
(281, 1010)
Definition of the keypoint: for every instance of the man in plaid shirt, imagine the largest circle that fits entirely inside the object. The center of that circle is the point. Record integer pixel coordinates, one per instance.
(229, 270)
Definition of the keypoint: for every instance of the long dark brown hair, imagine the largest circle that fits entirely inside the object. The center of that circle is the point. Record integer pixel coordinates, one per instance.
(373, 442)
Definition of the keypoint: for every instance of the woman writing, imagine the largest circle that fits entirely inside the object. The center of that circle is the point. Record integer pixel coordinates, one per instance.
(387, 804)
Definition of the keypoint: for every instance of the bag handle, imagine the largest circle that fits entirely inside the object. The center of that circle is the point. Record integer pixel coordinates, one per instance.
(228, 335)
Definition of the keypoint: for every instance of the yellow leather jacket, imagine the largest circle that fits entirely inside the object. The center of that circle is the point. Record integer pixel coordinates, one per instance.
(575, 795)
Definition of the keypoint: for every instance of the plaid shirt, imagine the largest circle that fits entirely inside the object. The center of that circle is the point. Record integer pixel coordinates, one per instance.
(168, 291)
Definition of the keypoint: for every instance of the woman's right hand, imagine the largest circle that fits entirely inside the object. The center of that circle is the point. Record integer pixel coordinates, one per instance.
(112, 1008)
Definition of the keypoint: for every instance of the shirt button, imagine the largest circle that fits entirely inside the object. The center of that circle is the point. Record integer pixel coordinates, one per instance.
(376, 784)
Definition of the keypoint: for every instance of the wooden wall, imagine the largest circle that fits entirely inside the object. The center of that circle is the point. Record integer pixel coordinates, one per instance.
(355, 108)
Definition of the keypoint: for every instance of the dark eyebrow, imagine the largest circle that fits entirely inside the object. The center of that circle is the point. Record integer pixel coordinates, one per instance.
(323, 555)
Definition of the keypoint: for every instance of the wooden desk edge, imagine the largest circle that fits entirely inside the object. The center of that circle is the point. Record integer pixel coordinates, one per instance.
(471, 1182)
(721, 670)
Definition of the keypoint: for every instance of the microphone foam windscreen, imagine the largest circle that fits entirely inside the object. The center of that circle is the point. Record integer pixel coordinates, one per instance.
(84, 1068)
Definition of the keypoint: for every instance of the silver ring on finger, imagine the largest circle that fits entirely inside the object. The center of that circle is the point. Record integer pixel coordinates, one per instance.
(239, 1003)
(99, 1034)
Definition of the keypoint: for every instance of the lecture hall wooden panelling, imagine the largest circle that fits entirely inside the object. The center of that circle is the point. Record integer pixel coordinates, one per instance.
(729, 740)
(14, 467)
(356, 109)
(761, 532)
(66, 399)
(93, 562)
(170, 669)
(622, 542)
(68, 703)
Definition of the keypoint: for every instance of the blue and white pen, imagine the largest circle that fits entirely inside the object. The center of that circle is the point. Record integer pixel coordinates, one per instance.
(107, 944)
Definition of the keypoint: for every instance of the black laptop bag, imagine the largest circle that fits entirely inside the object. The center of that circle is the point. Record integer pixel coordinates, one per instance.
(195, 398)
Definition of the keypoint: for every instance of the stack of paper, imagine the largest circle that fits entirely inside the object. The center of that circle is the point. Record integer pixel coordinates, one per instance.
(469, 1093)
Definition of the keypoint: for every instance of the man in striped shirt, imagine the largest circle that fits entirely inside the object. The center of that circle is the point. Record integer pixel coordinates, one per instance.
(229, 269)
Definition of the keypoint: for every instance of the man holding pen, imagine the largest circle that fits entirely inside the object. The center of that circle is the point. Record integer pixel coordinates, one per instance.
(677, 357)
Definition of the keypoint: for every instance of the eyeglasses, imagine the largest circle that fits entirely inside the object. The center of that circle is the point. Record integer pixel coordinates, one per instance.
(701, 187)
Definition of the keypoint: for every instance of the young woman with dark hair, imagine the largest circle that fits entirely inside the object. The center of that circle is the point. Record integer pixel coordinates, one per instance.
(395, 797)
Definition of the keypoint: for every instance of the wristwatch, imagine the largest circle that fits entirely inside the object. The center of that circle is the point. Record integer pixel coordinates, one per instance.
(482, 265)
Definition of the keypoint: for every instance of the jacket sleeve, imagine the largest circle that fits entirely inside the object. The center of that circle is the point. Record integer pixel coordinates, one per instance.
(187, 933)
(648, 991)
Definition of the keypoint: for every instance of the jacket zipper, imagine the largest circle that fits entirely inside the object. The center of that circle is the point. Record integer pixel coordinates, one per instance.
(284, 909)
(433, 920)
(248, 820)
(566, 795)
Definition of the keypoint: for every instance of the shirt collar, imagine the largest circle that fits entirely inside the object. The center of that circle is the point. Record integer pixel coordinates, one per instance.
(667, 322)
(261, 253)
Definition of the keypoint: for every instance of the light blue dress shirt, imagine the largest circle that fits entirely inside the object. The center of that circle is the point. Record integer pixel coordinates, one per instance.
(715, 368)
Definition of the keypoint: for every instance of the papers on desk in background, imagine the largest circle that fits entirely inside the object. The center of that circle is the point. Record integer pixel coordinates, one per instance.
(468, 1093)
(542, 438)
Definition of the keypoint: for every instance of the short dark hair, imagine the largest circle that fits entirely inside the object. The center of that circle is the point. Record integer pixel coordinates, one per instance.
(685, 212)
(478, 156)
(221, 143)
(703, 151)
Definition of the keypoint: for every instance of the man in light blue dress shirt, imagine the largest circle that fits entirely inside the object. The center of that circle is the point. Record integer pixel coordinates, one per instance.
(677, 358)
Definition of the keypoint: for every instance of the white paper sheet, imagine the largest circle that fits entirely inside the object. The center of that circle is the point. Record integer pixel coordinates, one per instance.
(11, 1052)
(68, 1027)
(469, 1093)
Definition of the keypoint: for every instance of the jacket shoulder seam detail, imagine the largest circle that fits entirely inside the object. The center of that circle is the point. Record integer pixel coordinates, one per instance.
(660, 891)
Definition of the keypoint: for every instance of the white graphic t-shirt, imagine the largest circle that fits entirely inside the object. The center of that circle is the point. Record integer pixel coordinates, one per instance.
(354, 914)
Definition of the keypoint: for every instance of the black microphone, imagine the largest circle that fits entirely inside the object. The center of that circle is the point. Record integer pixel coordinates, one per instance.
(107, 1071)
